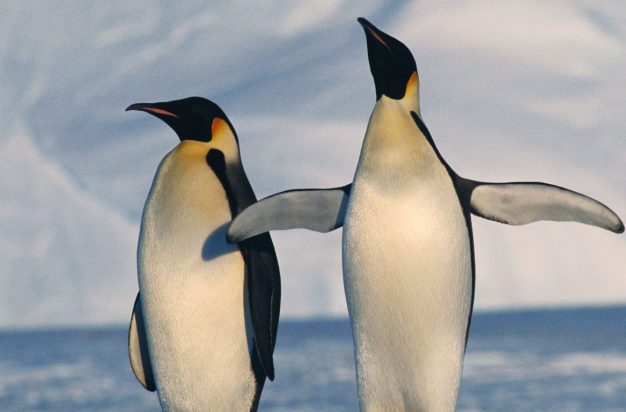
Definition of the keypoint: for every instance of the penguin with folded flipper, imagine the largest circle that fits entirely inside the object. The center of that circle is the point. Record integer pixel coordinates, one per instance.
(204, 325)
(408, 257)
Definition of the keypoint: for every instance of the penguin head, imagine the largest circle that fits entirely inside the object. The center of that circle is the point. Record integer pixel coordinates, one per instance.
(392, 66)
(195, 119)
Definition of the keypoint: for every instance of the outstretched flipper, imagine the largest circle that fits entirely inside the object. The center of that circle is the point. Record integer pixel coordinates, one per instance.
(519, 203)
(138, 348)
(321, 210)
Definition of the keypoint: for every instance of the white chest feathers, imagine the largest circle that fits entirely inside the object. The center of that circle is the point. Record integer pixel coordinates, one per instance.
(193, 291)
(407, 270)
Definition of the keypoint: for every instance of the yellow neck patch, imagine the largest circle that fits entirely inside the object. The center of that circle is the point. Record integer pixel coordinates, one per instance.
(412, 85)
(218, 127)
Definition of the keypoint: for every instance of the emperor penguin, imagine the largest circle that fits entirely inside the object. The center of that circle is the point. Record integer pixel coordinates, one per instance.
(204, 324)
(408, 254)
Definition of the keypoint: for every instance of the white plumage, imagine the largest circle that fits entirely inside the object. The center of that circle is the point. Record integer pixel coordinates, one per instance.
(192, 289)
(407, 269)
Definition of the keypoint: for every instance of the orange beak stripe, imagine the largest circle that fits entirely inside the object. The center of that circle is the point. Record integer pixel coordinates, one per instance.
(377, 37)
(160, 111)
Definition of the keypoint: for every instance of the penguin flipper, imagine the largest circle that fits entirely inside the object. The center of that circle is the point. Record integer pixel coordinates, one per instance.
(138, 348)
(321, 210)
(262, 273)
(519, 203)
(263, 278)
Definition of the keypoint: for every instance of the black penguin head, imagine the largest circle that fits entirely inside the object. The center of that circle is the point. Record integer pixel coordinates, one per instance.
(193, 118)
(392, 64)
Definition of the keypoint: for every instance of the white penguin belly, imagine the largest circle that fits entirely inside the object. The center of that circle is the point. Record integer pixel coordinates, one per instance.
(193, 291)
(408, 280)
(407, 271)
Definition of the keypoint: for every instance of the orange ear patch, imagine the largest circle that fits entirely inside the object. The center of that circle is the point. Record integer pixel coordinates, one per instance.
(218, 127)
(160, 111)
(412, 84)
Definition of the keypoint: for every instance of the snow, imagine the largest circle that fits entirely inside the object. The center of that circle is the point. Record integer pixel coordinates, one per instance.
(66, 256)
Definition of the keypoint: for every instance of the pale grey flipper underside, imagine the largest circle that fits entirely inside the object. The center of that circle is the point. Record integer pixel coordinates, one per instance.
(321, 210)
(138, 349)
(519, 203)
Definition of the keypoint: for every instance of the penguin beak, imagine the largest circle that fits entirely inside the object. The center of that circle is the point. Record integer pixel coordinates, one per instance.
(373, 34)
(391, 62)
(151, 108)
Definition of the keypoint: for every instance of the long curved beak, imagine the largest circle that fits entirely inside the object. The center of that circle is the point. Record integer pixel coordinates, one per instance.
(151, 108)
(391, 62)
(373, 33)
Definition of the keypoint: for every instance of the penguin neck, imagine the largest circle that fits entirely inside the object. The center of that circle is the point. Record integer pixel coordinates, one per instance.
(393, 146)
(223, 140)
(222, 158)
(411, 99)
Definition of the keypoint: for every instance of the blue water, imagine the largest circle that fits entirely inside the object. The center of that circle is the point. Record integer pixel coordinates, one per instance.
(554, 360)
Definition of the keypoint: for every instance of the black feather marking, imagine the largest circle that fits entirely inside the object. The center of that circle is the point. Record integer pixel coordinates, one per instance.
(262, 271)
(143, 346)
